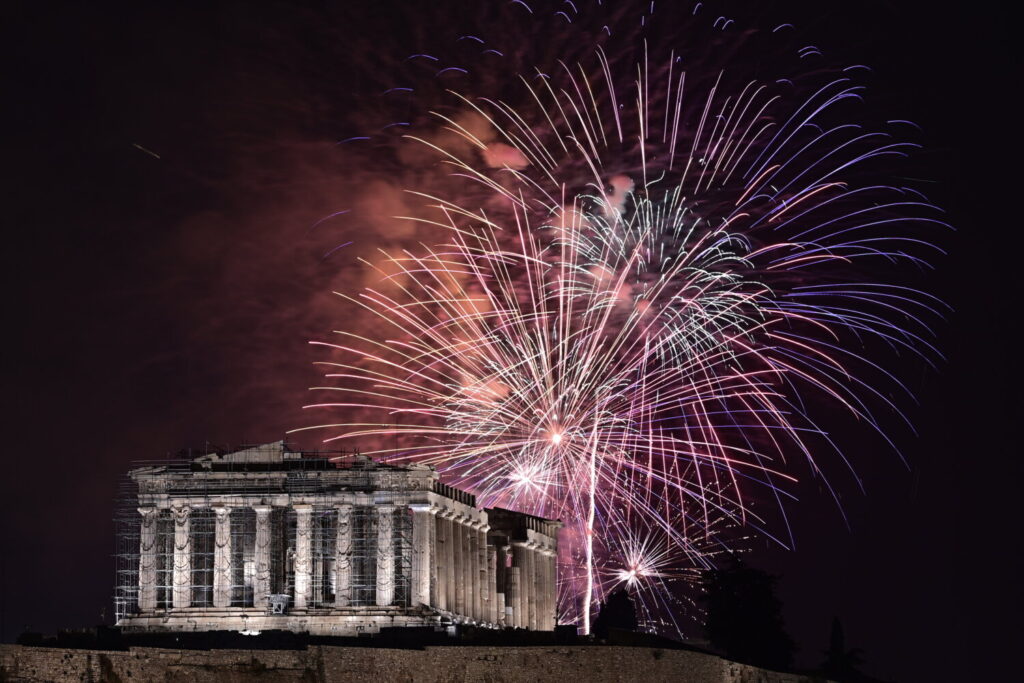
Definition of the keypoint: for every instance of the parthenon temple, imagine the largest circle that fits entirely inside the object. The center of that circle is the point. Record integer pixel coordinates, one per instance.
(270, 538)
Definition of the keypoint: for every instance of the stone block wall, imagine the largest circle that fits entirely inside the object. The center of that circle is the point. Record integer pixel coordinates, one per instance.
(434, 664)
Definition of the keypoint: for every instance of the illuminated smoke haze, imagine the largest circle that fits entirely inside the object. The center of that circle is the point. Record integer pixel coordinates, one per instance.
(782, 195)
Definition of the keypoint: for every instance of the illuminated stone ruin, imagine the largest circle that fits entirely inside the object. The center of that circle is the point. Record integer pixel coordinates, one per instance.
(267, 538)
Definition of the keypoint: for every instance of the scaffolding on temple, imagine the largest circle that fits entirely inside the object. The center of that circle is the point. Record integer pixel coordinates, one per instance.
(206, 495)
(323, 542)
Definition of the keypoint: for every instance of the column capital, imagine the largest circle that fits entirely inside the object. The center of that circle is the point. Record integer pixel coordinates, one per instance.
(147, 511)
(221, 510)
(302, 507)
(344, 507)
(385, 507)
(262, 509)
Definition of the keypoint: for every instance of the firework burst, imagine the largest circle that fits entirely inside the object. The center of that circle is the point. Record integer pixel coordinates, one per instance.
(648, 280)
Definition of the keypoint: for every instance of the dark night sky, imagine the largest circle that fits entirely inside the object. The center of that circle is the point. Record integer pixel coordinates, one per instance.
(160, 303)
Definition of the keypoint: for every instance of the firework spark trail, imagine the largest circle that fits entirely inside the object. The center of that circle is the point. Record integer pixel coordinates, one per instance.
(626, 321)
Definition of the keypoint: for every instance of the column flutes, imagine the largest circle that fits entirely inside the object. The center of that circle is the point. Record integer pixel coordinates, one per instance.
(385, 555)
(182, 575)
(520, 580)
(435, 576)
(459, 536)
(303, 554)
(441, 559)
(530, 590)
(451, 557)
(549, 590)
(343, 557)
(222, 557)
(482, 573)
(472, 567)
(422, 554)
(492, 582)
(513, 598)
(553, 587)
(147, 559)
(467, 566)
(261, 586)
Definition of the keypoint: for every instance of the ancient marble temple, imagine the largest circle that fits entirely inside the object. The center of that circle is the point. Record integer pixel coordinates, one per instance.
(267, 538)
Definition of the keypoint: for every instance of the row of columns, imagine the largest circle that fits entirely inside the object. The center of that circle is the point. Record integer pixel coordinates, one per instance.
(459, 560)
(530, 585)
(453, 566)
(181, 593)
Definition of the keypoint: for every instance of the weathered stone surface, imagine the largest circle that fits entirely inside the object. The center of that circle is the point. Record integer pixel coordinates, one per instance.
(182, 557)
(147, 559)
(448, 664)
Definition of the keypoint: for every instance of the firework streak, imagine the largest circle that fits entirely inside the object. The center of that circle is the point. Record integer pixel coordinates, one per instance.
(650, 278)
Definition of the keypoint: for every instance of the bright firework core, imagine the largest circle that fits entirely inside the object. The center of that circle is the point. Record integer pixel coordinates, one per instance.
(629, 576)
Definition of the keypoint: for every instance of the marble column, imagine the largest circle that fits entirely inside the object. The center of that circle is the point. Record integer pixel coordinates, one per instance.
(451, 556)
(521, 563)
(482, 573)
(539, 560)
(546, 616)
(422, 553)
(385, 555)
(182, 574)
(458, 578)
(261, 587)
(513, 597)
(492, 583)
(467, 566)
(530, 582)
(435, 576)
(222, 557)
(441, 561)
(303, 554)
(553, 586)
(343, 557)
(473, 581)
(147, 559)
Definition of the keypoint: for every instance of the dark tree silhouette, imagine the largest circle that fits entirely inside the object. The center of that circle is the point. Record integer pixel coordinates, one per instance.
(841, 664)
(744, 619)
(616, 612)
